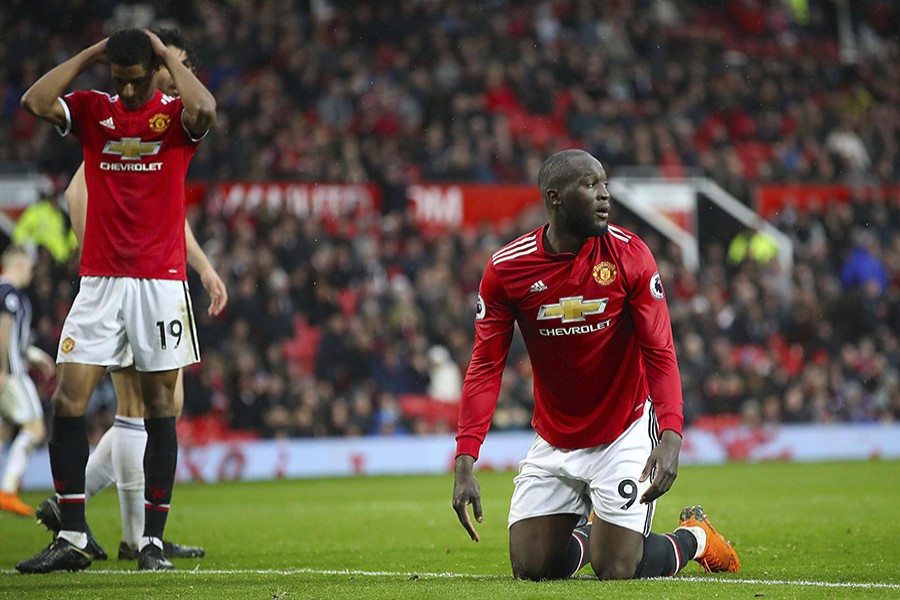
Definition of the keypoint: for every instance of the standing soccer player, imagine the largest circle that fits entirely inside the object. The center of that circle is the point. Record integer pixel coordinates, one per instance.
(118, 457)
(19, 400)
(137, 146)
(607, 393)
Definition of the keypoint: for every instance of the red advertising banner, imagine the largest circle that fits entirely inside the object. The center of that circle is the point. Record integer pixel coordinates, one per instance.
(771, 199)
(450, 206)
(457, 205)
(432, 205)
(320, 200)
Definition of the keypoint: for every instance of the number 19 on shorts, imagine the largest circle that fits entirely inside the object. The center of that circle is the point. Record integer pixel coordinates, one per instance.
(169, 333)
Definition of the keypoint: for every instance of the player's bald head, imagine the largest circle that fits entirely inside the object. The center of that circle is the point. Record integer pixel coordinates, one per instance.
(561, 169)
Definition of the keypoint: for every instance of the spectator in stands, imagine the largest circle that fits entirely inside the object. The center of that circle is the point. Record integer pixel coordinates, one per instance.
(44, 224)
(865, 280)
(864, 270)
(444, 377)
(751, 244)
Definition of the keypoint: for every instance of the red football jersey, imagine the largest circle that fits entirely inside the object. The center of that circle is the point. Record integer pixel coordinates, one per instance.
(598, 334)
(135, 162)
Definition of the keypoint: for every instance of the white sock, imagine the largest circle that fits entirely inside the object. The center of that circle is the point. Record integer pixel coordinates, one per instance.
(150, 540)
(99, 473)
(76, 538)
(128, 462)
(700, 534)
(17, 461)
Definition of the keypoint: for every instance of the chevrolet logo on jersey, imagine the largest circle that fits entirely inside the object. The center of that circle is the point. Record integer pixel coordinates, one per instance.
(132, 148)
(572, 309)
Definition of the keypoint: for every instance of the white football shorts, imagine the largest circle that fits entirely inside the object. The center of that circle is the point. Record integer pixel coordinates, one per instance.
(113, 318)
(19, 401)
(603, 478)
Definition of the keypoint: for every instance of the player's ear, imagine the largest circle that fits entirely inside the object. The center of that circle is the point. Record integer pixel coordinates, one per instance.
(553, 197)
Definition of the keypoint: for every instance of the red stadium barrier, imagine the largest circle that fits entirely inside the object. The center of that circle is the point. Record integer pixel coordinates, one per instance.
(437, 206)
(771, 199)
(432, 411)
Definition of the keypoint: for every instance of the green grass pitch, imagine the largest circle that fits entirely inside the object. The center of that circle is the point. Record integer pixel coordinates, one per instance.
(825, 530)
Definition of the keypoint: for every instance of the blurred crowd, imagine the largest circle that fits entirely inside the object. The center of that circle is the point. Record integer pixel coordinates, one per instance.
(405, 90)
(330, 328)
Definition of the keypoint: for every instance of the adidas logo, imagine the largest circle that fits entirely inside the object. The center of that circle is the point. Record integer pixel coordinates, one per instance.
(108, 123)
(537, 286)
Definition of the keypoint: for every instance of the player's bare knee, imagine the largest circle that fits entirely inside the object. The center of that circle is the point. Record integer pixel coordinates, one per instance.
(158, 406)
(134, 411)
(159, 403)
(528, 572)
(531, 568)
(158, 392)
(67, 405)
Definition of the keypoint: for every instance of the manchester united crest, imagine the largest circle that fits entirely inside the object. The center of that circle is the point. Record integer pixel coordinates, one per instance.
(67, 345)
(160, 122)
(605, 273)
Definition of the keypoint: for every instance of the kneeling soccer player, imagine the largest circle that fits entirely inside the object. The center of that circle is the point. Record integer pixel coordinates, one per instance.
(589, 302)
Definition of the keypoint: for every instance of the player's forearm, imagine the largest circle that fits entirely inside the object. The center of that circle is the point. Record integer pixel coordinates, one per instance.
(654, 332)
(670, 436)
(481, 387)
(465, 464)
(669, 411)
(41, 98)
(76, 200)
(199, 103)
(664, 381)
(476, 411)
(196, 257)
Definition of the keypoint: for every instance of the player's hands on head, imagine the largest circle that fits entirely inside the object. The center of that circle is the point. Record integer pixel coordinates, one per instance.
(98, 52)
(158, 46)
(466, 491)
(664, 459)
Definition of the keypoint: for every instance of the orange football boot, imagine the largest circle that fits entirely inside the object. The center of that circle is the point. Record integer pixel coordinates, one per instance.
(719, 555)
(12, 503)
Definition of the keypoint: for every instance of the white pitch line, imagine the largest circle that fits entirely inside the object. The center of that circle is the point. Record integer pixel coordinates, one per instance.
(304, 571)
(307, 571)
(824, 584)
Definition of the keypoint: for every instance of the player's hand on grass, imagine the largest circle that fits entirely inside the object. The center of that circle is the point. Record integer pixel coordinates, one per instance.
(466, 491)
(663, 458)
